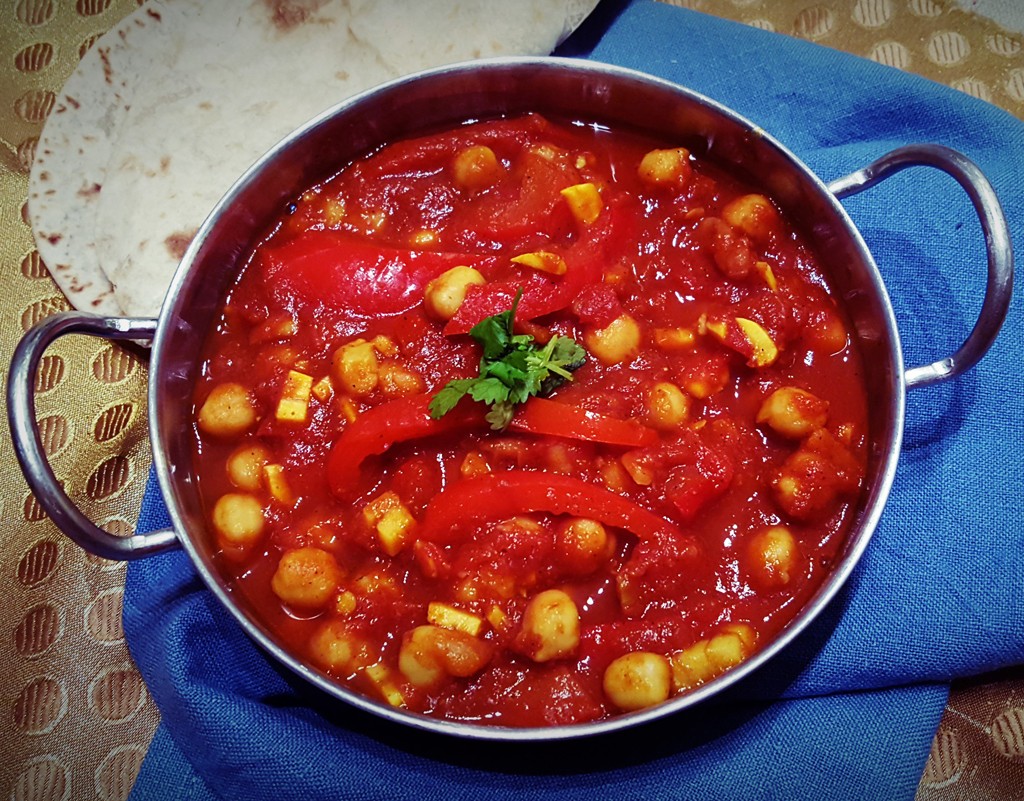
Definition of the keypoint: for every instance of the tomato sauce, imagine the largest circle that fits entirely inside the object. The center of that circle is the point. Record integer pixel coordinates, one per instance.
(624, 536)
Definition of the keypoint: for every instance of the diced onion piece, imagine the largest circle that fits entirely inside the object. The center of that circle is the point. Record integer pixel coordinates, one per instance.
(393, 522)
(474, 464)
(542, 260)
(383, 680)
(496, 617)
(765, 349)
(277, 484)
(746, 337)
(672, 339)
(323, 389)
(349, 409)
(448, 617)
(584, 201)
(293, 405)
(765, 271)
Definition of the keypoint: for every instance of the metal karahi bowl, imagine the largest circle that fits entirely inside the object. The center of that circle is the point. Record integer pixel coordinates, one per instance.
(445, 97)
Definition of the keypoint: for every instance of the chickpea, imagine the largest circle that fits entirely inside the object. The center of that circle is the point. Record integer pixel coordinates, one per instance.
(706, 659)
(227, 411)
(583, 544)
(356, 367)
(245, 466)
(638, 680)
(813, 477)
(335, 647)
(614, 475)
(430, 653)
(708, 378)
(754, 215)
(826, 330)
(691, 666)
(793, 412)
(668, 406)
(476, 168)
(551, 627)
(775, 556)
(729, 647)
(444, 295)
(396, 381)
(666, 167)
(306, 577)
(731, 250)
(238, 520)
(618, 342)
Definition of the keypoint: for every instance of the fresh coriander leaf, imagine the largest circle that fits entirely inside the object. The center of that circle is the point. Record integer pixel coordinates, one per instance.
(500, 415)
(488, 390)
(512, 369)
(493, 334)
(449, 396)
(567, 353)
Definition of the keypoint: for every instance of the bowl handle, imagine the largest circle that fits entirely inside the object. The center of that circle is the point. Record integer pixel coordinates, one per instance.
(21, 415)
(997, 245)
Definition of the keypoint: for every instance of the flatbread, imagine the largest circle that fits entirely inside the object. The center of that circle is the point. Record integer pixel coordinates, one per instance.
(171, 106)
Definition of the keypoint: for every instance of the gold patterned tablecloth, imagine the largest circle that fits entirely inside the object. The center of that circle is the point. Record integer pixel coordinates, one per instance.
(75, 717)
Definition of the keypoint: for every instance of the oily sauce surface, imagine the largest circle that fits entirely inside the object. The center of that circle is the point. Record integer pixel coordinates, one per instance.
(643, 528)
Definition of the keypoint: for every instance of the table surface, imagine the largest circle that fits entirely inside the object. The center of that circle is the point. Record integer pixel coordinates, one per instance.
(76, 719)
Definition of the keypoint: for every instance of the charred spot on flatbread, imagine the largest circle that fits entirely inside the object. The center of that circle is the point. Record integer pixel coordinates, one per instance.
(288, 14)
(178, 242)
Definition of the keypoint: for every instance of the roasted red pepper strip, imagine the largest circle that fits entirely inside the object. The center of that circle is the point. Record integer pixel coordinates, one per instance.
(542, 293)
(342, 273)
(551, 418)
(497, 496)
(377, 429)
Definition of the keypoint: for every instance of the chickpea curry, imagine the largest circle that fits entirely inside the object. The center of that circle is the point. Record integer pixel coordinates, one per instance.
(529, 422)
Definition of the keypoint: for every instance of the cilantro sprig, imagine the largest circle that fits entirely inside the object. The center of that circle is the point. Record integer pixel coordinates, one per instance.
(512, 369)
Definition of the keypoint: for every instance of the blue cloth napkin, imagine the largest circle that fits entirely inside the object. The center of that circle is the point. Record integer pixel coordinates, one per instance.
(847, 712)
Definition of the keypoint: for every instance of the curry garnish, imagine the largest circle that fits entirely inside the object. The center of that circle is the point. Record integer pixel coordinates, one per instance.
(513, 368)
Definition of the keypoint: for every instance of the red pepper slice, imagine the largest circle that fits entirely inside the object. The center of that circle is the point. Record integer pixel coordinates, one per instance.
(342, 273)
(551, 418)
(377, 429)
(543, 294)
(497, 496)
